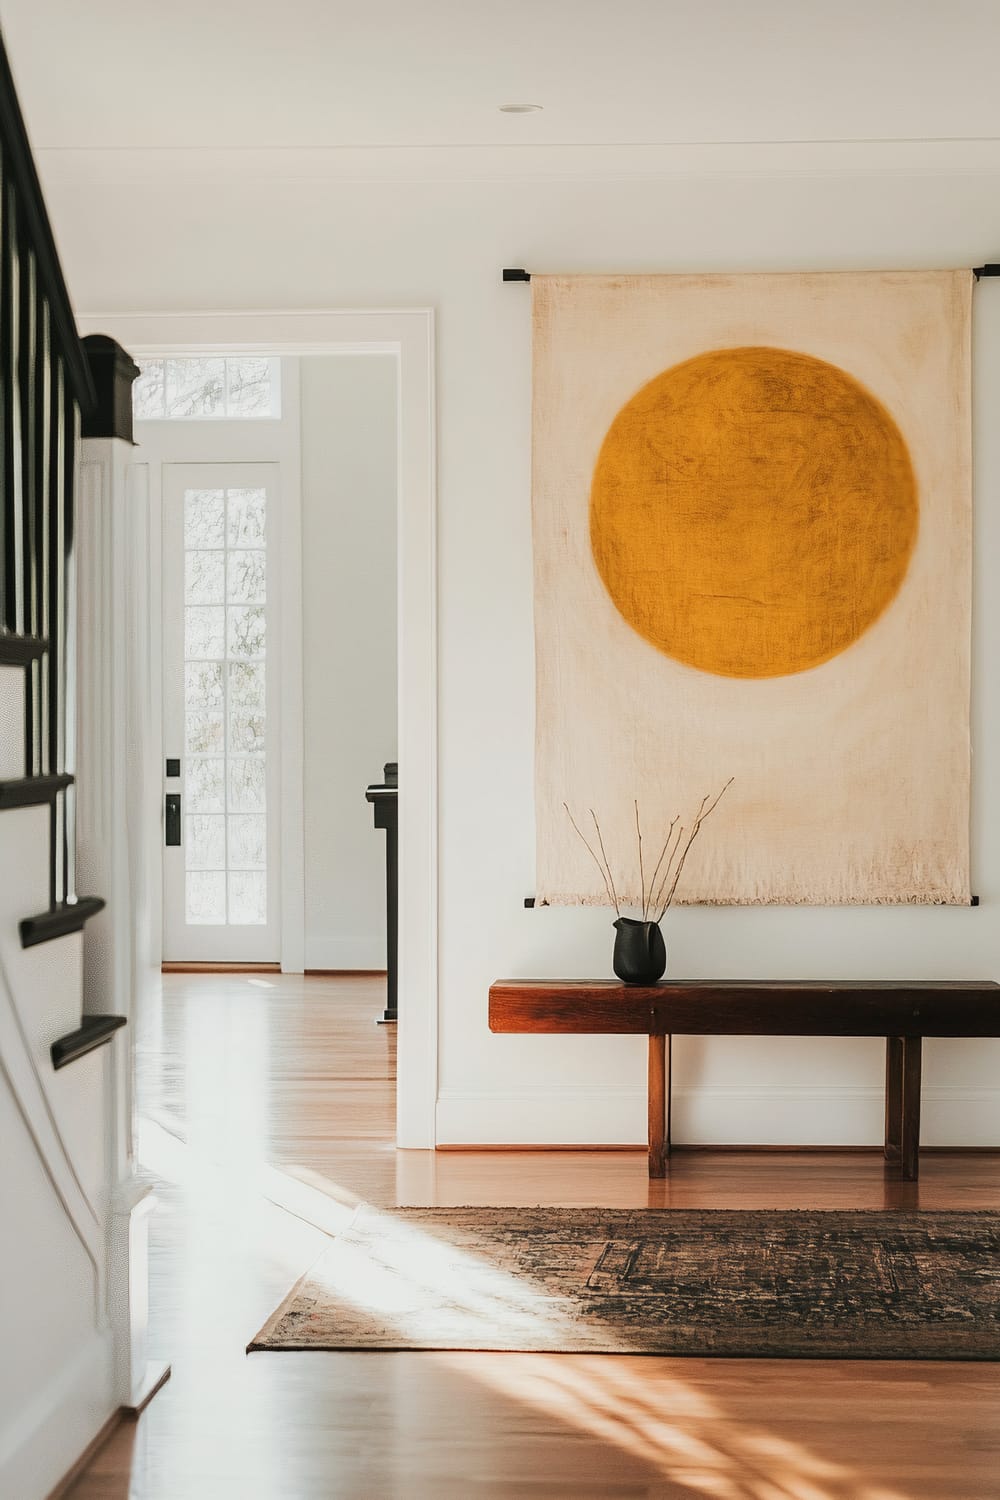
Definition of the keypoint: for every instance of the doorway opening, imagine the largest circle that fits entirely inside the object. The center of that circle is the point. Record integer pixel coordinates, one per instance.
(247, 454)
(220, 674)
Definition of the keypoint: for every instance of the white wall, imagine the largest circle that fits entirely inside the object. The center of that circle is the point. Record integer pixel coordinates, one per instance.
(348, 407)
(376, 229)
(57, 1381)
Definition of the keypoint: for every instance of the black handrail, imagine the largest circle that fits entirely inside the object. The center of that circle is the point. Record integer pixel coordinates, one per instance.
(20, 170)
(46, 387)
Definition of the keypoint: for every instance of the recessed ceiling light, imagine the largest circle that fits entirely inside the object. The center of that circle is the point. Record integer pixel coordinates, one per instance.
(519, 109)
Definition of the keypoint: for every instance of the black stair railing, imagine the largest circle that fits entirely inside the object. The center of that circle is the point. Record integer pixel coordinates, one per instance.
(45, 390)
(44, 385)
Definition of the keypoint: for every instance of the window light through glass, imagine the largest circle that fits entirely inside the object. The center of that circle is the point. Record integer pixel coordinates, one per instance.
(225, 706)
(219, 388)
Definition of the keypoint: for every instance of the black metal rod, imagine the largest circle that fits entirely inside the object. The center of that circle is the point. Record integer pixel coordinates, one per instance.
(517, 273)
(43, 419)
(27, 364)
(8, 398)
(50, 571)
(47, 665)
(4, 425)
(531, 902)
(58, 661)
(26, 413)
(67, 678)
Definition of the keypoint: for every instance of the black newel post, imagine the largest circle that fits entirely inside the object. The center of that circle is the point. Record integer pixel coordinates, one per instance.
(384, 798)
(112, 369)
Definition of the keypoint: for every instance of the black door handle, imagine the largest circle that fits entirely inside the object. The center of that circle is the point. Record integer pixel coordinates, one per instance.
(172, 818)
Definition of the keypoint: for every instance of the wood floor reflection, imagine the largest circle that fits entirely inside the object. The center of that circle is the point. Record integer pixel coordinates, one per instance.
(267, 1105)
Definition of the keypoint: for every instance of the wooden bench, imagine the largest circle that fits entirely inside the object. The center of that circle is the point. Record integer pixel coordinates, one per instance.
(903, 1013)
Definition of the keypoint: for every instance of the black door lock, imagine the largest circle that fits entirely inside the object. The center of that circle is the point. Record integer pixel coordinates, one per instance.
(172, 818)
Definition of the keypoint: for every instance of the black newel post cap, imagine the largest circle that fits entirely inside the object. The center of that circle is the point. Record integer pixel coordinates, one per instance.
(112, 370)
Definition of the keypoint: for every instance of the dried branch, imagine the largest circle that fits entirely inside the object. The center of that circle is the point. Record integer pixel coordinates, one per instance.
(611, 878)
(666, 846)
(642, 878)
(656, 894)
(655, 899)
(702, 815)
(594, 857)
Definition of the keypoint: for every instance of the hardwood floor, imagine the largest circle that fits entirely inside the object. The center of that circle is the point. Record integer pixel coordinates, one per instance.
(268, 1112)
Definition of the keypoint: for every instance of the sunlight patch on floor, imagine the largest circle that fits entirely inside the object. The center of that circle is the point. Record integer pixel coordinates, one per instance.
(176, 1161)
(674, 1427)
(242, 1230)
(396, 1278)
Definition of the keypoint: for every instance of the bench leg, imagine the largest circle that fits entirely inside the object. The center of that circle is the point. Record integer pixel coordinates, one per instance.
(910, 1143)
(893, 1098)
(659, 1105)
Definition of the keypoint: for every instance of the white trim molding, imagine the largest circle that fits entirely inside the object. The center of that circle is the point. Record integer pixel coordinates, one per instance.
(365, 954)
(118, 753)
(409, 335)
(291, 749)
(709, 1116)
(136, 1376)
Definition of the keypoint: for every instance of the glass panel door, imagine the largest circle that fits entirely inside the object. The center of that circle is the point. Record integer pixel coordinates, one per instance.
(220, 622)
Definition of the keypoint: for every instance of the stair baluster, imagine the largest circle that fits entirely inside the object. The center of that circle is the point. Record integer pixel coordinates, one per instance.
(45, 386)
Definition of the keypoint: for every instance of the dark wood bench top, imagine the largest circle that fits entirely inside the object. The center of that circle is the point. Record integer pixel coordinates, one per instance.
(710, 1007)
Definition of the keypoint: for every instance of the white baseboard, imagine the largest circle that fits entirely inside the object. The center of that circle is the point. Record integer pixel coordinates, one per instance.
(709, 1116)
(43, 1440)
(345, 953)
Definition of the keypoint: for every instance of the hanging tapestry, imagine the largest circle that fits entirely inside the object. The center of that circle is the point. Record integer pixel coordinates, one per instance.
(752, 538)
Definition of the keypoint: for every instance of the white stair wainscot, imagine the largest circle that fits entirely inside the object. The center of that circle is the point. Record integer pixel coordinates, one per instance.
(74, 1249)
(118, 810)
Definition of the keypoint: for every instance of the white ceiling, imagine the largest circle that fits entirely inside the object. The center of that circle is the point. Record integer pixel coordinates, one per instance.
(245, 74)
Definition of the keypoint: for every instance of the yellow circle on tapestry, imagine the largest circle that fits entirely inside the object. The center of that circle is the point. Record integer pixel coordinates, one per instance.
(753, 511)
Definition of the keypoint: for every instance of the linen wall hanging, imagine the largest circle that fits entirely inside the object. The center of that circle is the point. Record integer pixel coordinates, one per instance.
(752, 538)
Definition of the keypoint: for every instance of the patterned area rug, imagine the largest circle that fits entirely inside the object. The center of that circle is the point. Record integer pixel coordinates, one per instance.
(847, 1285)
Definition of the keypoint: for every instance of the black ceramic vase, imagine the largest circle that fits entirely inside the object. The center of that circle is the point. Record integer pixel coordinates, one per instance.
(640, 952)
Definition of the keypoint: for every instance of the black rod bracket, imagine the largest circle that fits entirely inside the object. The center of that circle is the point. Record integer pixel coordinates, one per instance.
(988, 270)
(514, 273)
